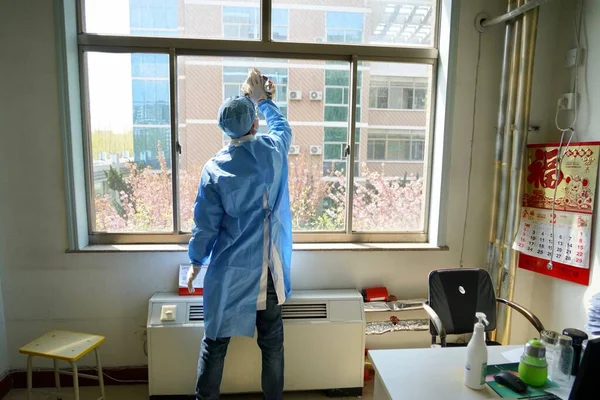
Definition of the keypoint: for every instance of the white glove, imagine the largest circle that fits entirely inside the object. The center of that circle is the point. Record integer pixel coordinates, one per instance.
(254, 86)
(191, 275)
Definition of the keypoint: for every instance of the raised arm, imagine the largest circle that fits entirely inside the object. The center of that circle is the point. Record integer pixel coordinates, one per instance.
(278, 125)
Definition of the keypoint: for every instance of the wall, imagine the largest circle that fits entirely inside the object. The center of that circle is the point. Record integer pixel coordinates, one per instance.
(3, 345)
(107, 293)
(565, 304)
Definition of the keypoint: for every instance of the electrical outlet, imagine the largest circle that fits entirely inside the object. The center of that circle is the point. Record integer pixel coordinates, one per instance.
(566, 101)
(573, 57)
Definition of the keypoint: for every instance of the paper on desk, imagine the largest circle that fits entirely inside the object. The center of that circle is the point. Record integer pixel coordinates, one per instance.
(561, 392)
(198, 282)
(513, 356)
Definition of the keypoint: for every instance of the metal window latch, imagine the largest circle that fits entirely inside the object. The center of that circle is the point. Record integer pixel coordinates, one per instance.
(178, 148)
(346, 151)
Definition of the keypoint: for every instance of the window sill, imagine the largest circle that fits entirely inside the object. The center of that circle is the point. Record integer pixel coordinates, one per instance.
(172, 248)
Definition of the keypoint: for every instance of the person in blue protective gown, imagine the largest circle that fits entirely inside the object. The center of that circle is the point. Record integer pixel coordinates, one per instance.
(243, 232)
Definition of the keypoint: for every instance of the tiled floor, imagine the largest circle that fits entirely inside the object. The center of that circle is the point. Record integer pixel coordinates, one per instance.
(140, 392)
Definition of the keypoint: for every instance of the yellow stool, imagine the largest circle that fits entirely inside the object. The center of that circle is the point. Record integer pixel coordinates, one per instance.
(66, 346)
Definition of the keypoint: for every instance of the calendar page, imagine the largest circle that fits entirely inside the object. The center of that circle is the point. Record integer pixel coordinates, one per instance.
(562, 236)
(572, 233)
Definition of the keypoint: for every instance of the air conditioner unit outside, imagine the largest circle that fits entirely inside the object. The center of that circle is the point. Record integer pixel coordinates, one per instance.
(315, 150)
(295, 95)
(324, 344)
(294, 150)
(315, 95)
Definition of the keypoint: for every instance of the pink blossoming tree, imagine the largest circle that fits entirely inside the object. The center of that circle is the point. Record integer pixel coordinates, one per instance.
(318, 203)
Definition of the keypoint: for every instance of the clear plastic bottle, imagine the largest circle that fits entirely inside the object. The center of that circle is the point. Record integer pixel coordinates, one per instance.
(561, 373)
(550, 341)
(583, 347)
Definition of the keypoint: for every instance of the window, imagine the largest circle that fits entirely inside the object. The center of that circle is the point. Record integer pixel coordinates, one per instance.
(360, 167)
(129, 149)
(398, 94)
(405, 23)
(241, 23)
(393, 23)
(244, 23)
(337, 91)
(344, 27)
(395, 145)
(280, 24)
(334, 157)
(157, 18)
(394, 174)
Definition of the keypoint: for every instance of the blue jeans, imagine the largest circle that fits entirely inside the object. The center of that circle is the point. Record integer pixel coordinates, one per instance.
(270, 340)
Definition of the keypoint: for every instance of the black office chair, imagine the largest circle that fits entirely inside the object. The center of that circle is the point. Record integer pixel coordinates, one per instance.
(455, 295)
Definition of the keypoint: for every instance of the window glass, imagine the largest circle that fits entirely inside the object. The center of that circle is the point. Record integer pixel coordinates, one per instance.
(201, 19)
(318, 168)
(344, 27)
(393, 173)
(401, 23)
(130, 142)
(280, 24)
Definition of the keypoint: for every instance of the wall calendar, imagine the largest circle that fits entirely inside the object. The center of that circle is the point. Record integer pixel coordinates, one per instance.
(562, 236)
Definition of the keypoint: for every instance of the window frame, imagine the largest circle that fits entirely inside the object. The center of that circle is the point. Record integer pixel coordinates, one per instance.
(261, 48)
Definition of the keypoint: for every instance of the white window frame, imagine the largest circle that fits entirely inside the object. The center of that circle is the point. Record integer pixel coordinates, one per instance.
(73, 41)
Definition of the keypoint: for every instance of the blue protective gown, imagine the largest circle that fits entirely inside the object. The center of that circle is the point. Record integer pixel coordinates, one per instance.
(243, 227)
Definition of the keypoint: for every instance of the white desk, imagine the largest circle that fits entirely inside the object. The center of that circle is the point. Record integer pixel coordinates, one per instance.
(428, 374)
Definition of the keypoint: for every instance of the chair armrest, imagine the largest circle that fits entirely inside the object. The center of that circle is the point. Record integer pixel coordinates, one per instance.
(531, 317)
(436, 321)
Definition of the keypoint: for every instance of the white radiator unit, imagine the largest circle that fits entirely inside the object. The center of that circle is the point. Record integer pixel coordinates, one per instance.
(324, 344)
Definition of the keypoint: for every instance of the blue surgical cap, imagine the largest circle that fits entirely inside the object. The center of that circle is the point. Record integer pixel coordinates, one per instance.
(236, 116)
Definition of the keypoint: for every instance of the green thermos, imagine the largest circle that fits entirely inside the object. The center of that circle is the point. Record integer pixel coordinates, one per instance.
(533, 368)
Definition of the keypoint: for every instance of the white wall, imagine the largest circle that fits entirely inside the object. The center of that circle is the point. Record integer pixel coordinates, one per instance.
(565, 304)
(107, 293)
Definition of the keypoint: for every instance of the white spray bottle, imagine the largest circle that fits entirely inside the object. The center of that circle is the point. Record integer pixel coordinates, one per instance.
(477, 355)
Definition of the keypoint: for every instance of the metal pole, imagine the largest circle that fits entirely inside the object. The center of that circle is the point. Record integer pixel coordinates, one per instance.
(513, 86)
(509, 265)
(504, 83)
(528, 6)
(513, 83)
(174, 138)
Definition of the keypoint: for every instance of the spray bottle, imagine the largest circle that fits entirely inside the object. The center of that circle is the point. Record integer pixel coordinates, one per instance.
(477, 355)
